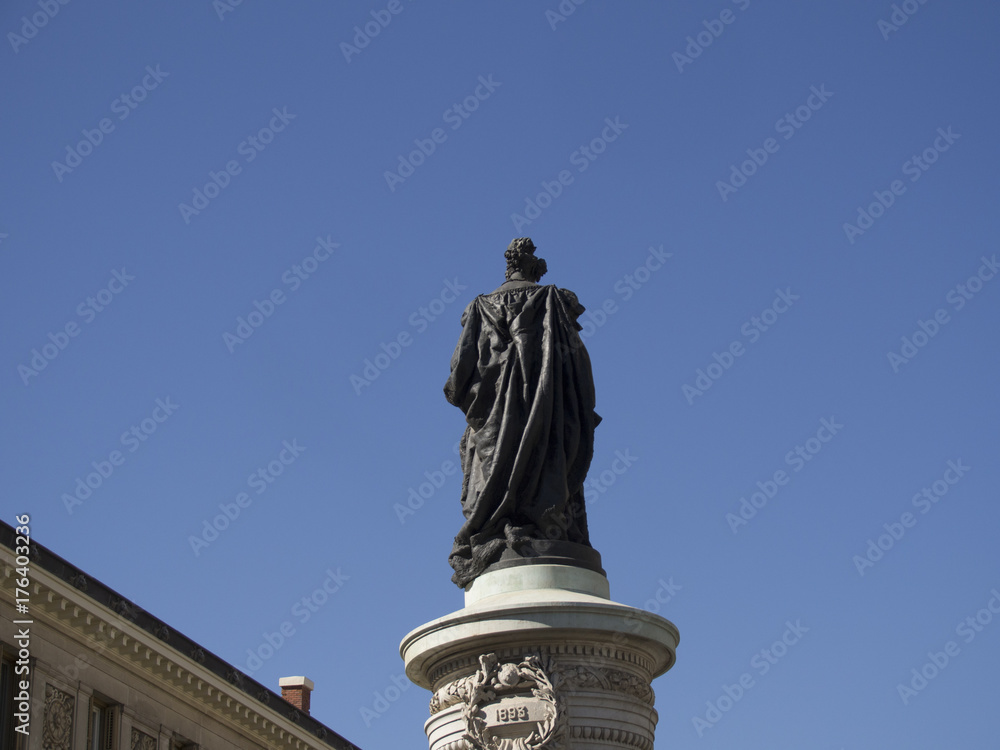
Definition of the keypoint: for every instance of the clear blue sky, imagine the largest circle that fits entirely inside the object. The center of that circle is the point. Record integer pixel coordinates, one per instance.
(178, 163)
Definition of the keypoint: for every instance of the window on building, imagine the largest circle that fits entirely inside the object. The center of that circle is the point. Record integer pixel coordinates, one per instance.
(102, 728)
(6, 699)
(9, 739)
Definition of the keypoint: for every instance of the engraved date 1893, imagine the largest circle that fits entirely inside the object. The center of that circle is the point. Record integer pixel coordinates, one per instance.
(514, 713)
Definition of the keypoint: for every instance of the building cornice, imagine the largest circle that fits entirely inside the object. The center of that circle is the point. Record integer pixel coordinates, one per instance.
(102, 620)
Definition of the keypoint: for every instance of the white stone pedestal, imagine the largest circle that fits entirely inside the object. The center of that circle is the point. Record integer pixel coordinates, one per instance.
(540, 657)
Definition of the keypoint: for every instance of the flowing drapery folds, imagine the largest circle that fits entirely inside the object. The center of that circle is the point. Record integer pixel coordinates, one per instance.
(522, 376)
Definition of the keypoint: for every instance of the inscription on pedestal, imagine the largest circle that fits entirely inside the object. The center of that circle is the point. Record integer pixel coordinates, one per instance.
(509, 710)
(514, 717)
(511, 706)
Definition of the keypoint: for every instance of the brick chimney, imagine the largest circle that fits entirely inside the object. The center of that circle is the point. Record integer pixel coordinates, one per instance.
(296, 691)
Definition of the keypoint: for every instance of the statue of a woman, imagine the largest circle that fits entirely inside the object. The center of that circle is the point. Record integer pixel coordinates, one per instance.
(522, 376)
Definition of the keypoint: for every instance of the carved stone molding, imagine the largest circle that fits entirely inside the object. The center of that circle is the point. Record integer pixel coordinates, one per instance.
(142, 741)
(585, 677)
(236, 677)
(568, 653)
(139, 646)
(125, 608)
(452, 693)
(567, 678)
(57, 727)
(608, 736)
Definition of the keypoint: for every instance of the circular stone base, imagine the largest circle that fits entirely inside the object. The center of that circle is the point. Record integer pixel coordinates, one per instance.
(522, 578)
(541, 646)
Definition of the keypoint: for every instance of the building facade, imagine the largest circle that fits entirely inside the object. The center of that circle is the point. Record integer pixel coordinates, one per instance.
(86, 669)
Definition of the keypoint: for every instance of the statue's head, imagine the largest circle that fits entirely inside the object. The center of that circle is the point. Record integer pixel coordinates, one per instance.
(521, 258)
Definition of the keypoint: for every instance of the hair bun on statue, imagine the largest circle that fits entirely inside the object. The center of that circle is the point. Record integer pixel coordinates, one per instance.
(521, 258)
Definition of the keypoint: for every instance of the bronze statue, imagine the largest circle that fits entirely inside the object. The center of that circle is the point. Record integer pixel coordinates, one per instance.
(522, 376)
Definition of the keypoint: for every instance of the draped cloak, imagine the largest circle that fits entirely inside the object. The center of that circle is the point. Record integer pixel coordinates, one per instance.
(522, 376)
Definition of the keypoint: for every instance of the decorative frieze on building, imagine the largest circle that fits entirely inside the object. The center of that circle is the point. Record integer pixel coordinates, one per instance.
(568, 678)
(57, 727)
(142, 741)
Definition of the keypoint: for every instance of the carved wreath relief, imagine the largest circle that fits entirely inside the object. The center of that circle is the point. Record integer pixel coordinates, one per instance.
(57, 728)
(509, 706)
(142, 741)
